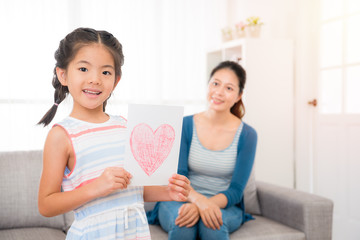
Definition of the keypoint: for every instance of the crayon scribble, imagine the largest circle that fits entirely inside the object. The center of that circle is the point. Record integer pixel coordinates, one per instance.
(150, 148)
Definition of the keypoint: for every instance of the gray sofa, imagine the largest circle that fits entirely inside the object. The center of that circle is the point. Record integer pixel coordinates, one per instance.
(285, 214)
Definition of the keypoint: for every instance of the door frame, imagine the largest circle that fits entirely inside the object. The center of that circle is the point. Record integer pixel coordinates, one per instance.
(306, 85)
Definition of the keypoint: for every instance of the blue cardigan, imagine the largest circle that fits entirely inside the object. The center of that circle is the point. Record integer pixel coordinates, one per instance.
(244, 162)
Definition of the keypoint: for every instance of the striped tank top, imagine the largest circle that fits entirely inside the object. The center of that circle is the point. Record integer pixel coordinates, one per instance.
(119, 215)
(210, 171)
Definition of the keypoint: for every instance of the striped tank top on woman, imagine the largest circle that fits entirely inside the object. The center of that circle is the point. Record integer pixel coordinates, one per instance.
(210, 172)
(97, 146)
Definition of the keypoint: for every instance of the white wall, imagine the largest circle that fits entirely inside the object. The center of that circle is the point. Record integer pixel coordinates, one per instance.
(279, 18)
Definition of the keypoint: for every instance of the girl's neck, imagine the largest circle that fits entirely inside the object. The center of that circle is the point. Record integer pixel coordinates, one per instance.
(92, 116)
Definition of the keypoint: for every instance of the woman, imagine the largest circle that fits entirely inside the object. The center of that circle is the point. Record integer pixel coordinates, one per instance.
(217, 154)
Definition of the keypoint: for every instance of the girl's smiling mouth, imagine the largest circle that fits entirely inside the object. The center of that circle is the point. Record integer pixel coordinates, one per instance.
(92, 92)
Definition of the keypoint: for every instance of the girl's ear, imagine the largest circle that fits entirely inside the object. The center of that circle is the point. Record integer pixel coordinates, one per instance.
(117, 80)
(61, 75)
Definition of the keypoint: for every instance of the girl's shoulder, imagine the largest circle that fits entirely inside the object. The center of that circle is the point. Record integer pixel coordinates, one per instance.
(58, 139)
(118, 119)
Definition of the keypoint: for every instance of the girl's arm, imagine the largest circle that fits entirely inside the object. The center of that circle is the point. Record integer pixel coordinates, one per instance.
(51, 201)
(177, 190)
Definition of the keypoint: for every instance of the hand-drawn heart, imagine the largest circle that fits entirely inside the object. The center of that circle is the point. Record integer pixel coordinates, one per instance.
(149, 148)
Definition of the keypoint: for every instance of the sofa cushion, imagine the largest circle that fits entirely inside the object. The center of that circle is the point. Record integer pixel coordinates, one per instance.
(20, 176)
(265, 229)
(259, 229)
(251, 200)
(32, 234)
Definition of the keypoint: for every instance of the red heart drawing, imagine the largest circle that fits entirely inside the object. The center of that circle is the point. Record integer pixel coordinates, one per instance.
(149, 148)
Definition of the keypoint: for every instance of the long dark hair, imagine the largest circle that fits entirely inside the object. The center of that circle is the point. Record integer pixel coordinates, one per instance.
(238, 109)
(66, 52)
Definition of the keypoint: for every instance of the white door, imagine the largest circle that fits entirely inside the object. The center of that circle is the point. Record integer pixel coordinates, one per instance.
(337, 171)
(337, 118)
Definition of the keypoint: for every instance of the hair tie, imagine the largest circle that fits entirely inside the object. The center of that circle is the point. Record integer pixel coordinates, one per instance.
(56, 104)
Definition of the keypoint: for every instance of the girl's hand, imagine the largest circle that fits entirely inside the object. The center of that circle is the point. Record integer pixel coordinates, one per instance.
(178, 187)
(188, 215)
(210, 213)
(112, 179)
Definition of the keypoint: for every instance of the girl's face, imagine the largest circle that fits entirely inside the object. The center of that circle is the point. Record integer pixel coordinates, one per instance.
(223, 90)
(90, 77)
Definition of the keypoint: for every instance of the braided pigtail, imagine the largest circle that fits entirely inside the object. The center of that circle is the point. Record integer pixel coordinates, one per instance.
(59, 95)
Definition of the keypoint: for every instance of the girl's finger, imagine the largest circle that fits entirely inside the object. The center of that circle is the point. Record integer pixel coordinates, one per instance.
(179, 189)
(179, 180)
(123, 180)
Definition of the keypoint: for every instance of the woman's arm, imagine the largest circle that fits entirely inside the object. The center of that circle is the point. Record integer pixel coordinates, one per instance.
(220, 200)
(243, 167)
(209, 208)
(51, 201)
(186, 137)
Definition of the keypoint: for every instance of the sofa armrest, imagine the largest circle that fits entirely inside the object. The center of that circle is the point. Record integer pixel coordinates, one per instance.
(305, 212)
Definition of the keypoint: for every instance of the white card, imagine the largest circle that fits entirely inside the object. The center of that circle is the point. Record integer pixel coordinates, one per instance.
(153, 143)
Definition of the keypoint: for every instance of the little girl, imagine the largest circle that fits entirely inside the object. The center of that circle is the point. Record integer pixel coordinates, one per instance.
(84, 153)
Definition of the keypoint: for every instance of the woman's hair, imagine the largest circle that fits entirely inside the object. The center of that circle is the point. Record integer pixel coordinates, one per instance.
(67, 51)
(238, 109)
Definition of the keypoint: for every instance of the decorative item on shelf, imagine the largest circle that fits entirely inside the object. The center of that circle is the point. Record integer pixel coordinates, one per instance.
(236, 58)
(253, 27)
(240, 29)
(227, 34)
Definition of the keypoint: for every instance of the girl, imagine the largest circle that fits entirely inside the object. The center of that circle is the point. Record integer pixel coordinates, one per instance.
(84, 153)
(217, 154)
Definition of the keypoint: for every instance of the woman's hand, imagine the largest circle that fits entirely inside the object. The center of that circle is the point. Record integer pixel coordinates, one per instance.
(112, 179)
(188, 215)
(178, 187)
(210, 213)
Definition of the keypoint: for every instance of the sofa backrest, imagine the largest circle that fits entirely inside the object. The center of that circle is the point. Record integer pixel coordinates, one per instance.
(19, 183)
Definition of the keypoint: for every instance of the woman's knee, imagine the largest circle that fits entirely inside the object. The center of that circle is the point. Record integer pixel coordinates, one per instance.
(182, 233)
(168, 212)
(209, 233)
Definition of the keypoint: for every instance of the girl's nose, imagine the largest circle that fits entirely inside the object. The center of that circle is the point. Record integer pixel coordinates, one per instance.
(95, 79)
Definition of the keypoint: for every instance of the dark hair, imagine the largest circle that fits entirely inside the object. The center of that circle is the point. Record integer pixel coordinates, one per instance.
(66, 52)
(238, 109)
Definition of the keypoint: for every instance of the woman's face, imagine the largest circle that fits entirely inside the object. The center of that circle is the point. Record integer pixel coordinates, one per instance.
(223, 90)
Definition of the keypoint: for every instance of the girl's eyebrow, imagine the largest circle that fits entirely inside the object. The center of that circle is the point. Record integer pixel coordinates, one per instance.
(86, 62)
(108, 66)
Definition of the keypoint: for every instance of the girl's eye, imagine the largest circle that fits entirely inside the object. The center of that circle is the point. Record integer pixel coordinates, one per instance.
(106, 73)
(215, 83)
(229, 88)
(83, 69)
